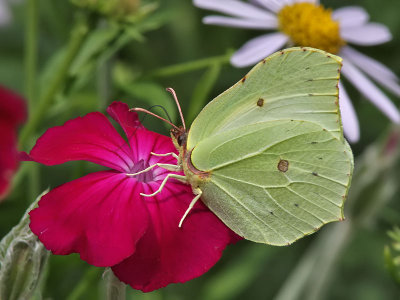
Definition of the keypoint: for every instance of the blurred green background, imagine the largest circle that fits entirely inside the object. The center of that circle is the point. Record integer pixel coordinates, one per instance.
(342, 261)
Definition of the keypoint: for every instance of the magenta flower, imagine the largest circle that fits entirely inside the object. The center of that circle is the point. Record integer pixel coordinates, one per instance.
(12, 114)
(103, 217)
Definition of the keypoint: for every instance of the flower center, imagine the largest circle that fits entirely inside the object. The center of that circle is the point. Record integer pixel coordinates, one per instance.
(142, 177)
(311, 25)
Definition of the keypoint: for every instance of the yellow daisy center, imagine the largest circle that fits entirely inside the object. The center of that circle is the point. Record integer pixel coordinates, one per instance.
(310, 25)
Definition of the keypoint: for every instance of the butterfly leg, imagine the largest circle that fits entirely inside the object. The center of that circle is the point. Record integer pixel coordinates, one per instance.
(166, 154)
(176, 176)
(169, 167)
(198, 193)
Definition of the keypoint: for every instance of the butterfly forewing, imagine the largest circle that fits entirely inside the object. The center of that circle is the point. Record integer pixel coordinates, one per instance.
(296, 83)
(279, 167)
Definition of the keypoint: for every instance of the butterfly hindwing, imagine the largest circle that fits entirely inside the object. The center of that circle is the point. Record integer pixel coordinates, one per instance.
(271, 187)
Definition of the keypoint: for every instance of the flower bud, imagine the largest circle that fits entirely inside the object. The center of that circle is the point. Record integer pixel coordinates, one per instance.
(22, 260)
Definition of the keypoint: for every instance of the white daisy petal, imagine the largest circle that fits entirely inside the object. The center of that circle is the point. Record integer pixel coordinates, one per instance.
(257, 49)
(370, 91)
(392, 86)
(350, 16)
(349, 118)
(366, 63)
(241, 23)
(272, 5)
(366, 35)
(373, 68)
(235, 8)
(311, 1)
(5, 15)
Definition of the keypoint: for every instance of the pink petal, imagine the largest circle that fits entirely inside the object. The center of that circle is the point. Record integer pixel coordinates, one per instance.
(370, 91)
(258, 48)
(350, 16)
(12, 113)
(101, 216)
(142, 141)
(12, 107)
(349, 116)
(129, 120)
(168, 254)
(241, 23)
(90, 138)
(8, 156)
(366, 35)
(235, 8)
(373, 68)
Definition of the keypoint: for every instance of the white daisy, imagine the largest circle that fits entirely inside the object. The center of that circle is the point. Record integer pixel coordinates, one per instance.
(307, 23)
(5, 14)
(5, 11)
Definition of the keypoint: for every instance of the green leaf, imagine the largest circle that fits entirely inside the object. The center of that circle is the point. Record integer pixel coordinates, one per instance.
(391, 255)
(99, 41)
(202, 91)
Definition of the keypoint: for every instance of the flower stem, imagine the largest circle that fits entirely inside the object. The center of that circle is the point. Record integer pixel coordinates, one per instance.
(31, 51)
(115, 289)
(78, 35)
(190, 66)
(31, 55)
(83, 286)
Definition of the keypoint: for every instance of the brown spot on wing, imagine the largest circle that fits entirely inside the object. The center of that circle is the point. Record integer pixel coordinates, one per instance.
(260, 102)
(283, 165)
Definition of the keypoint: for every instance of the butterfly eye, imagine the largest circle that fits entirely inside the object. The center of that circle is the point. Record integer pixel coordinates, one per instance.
(182, 139)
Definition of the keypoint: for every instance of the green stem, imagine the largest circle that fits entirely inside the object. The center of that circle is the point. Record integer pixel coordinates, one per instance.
(115, 289)
(103, 83)
(83, 286)
(78, 36)
(31, 52)
(31, 55)
(190, 66)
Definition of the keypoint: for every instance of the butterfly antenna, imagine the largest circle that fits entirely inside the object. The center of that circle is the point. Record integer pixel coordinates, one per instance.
(154, 115)
(171, 90)
(163, 108)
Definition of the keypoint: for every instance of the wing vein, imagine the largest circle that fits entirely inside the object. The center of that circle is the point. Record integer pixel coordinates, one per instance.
(313, 203)
(257, 217)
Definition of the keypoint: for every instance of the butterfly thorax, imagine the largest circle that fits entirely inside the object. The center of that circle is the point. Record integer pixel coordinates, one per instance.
(194, 176)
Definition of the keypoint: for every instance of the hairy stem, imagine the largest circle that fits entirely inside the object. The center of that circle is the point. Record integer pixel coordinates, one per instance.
(115, 289)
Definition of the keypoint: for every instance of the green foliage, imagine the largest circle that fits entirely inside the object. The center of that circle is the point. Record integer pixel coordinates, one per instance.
(392, 254)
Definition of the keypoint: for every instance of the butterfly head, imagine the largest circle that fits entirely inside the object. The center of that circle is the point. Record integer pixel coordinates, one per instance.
(179, 137)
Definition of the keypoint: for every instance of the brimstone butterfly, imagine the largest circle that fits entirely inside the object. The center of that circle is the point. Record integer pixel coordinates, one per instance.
(268, 155)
